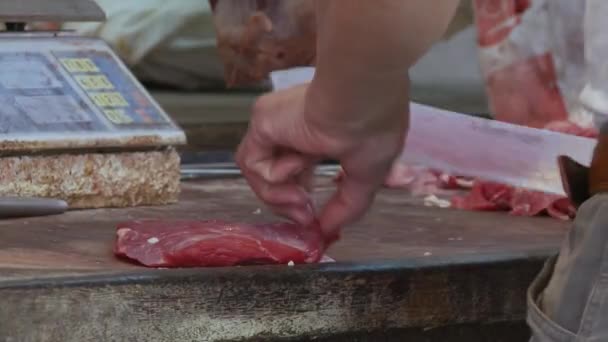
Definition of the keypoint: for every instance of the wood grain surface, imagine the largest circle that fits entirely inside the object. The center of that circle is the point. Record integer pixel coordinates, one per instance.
(398, 227)
(404, 272)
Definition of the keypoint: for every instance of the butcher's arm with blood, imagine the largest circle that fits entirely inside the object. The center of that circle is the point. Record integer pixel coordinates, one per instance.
(354, 110)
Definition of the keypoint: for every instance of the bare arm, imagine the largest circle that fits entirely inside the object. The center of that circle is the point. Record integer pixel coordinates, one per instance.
(365, 48)
(354, 110)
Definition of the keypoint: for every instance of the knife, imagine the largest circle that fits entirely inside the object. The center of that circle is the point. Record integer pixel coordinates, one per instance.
(227, 170)
(471, 146)
(12, 207)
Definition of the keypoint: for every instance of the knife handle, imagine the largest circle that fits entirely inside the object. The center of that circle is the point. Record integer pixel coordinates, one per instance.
(575, 180)
(598, 170)
(11, 207)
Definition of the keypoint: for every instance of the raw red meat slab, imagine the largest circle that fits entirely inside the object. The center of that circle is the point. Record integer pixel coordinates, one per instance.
(214, 243)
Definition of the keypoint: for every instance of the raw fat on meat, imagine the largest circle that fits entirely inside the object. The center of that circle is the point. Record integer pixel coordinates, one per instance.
(181, 243)
(421, 181)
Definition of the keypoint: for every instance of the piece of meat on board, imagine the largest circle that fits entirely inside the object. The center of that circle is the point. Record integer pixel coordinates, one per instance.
(214, 243)
(485, 196)
(491, 196)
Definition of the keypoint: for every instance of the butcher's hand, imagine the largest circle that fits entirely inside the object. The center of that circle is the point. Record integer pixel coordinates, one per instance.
(355, 110)
(291, 131)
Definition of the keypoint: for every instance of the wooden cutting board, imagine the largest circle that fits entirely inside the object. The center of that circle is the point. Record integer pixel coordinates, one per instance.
(405, 266)
(399, 226)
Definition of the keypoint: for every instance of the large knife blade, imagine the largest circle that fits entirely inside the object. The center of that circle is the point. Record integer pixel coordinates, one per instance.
(470, 146)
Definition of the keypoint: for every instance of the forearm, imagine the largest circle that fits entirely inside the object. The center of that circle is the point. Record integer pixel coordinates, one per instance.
(365, 48)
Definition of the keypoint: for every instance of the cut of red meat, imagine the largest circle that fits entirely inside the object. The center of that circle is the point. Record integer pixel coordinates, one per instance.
(521, 82)
(562, 209)
(214, 243)
(530, 203)
(485, 196)
(526, 92)
(489, 14)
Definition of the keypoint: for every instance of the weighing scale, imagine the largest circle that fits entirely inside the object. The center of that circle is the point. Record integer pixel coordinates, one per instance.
(75, 124)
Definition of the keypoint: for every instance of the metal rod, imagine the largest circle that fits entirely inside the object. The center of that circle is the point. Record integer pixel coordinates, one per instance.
(218, 172)
(15, 27)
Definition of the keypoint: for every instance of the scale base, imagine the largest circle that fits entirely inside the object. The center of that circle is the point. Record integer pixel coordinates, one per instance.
(95, 180)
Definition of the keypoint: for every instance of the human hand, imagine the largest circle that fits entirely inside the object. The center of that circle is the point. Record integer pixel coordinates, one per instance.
(293, 129)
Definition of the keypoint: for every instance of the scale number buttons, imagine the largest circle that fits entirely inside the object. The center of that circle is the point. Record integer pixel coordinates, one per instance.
(99, 89)
(118, 116)
(109, 100)
(75, 65)
(94, 82)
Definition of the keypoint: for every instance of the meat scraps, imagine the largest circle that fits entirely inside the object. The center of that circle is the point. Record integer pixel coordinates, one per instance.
(487, 196)
(421, 181)
(214, 243)
(490, 196)
(256, 37)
